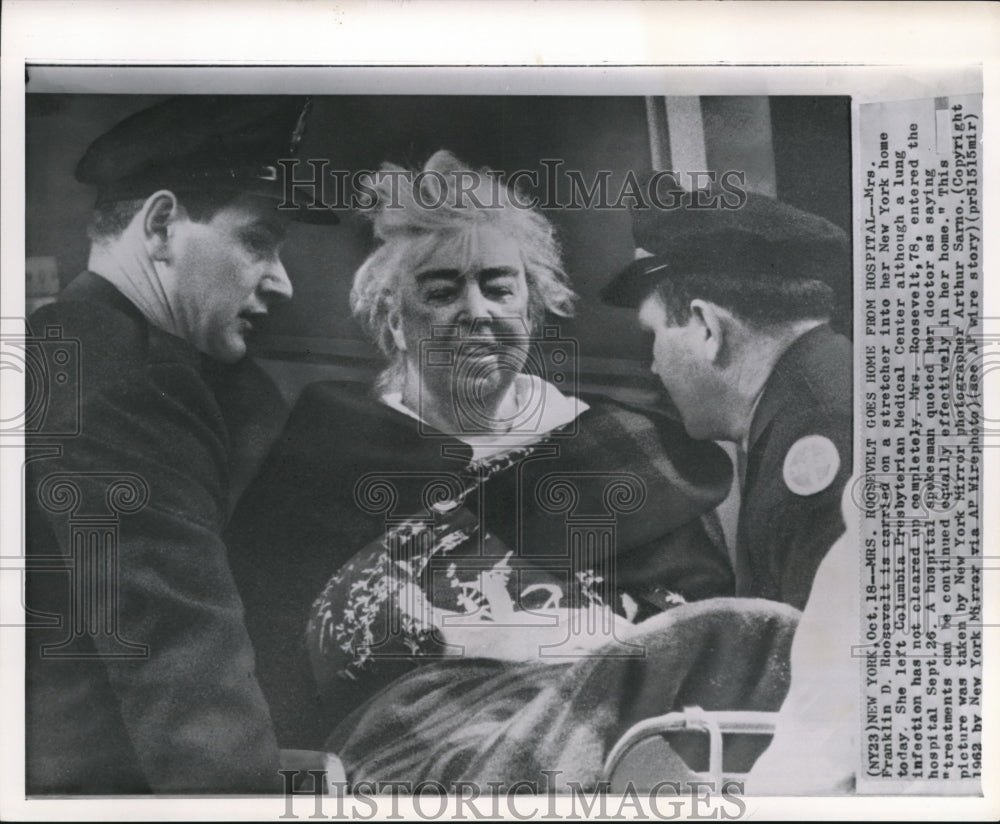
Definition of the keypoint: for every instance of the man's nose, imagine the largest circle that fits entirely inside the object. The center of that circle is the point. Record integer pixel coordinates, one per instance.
(276, 283)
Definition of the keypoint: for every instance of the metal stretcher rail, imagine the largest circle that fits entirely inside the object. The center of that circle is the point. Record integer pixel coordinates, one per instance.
(714, 723)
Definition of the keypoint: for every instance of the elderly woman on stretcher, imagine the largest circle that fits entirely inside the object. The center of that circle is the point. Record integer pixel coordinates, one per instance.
(534, 561)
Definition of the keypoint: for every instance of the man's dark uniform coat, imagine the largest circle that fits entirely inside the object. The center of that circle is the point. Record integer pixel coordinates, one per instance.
(784, 534)
(171, 704)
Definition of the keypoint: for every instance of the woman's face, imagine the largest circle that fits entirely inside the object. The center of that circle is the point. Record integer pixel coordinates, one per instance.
(461, 320)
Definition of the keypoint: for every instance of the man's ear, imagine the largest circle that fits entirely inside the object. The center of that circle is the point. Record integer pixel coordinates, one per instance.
(395, 321)
(160, 212)
(711, 325)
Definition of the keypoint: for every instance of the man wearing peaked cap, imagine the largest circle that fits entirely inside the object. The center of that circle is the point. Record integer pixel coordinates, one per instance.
(738, 298)
(197, 142)
(160, 694)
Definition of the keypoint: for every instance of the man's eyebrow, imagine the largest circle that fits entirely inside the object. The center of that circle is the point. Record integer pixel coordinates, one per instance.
(438, 274)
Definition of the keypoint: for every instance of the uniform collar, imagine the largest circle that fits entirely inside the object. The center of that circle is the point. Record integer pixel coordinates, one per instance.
(790, 376)
(90, 286)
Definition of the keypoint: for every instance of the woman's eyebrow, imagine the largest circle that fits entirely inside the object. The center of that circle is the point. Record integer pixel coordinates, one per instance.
(498, 272)
(438, 274)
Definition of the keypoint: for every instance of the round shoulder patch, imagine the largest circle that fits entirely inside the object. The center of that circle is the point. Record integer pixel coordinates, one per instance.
(811, 465)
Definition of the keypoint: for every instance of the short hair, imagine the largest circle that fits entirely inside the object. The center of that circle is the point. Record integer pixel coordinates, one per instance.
(445, 199)
(110, 219)
(760, 300)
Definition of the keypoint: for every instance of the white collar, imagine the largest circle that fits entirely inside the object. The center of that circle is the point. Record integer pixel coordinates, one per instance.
(543, 406)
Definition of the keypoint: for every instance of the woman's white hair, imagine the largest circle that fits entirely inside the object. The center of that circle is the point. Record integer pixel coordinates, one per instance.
(413, 212)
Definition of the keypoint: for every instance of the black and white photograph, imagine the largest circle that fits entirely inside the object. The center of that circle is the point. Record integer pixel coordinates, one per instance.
(577, 441)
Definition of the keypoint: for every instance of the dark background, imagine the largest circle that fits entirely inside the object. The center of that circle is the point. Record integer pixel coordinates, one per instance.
(810, 139)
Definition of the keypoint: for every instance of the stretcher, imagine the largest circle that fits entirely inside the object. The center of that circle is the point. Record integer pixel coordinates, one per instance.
(620, 766)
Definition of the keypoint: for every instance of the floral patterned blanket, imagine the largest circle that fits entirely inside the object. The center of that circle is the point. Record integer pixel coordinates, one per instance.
(486, 665)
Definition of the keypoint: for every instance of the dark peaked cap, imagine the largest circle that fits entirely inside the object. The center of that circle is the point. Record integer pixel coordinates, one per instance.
(198, 142)
(762, 237)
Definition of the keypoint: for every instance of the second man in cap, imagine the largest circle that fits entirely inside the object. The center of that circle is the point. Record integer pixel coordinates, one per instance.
(739, 303)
